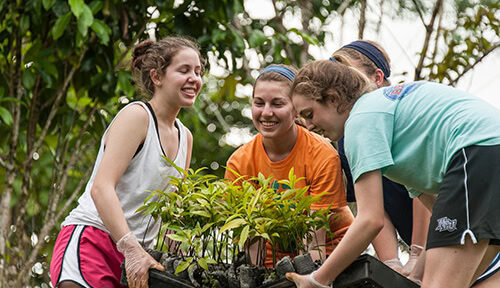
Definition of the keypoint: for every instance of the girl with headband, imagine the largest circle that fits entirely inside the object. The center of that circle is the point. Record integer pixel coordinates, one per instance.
(281, 145)
(440, 142)
(410, 218)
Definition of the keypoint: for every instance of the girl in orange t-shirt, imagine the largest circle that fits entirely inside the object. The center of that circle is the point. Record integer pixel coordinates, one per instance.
(281, 145)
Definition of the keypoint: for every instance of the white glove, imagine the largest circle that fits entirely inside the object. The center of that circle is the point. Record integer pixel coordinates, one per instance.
(305, 281)
(394, 264)
(415, 252)
(137, 261)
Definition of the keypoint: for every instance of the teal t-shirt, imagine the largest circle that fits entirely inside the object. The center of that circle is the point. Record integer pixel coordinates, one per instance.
(411, 131)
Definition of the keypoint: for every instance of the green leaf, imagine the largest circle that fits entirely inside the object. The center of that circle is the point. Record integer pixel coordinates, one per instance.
(238, 7)
(102, 30)
(203, 263)
(244, 236)
(256, 38)
(28, 79)
(76, 7)
(25, 24)
(6, 116)
(84, 101)
(46, 78)
(10, 99)
(47, 4)
(201, 213)
(96, 6)
(183, 266)
(61, 24)
(306, 37)
(50, 68)
(177, 237)
(239, 43)
(231, 225)
(85, 20)
(125, 82)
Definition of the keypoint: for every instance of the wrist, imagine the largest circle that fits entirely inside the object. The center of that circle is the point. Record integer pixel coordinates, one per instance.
(416, 250)
(316, 283)
(126, 241)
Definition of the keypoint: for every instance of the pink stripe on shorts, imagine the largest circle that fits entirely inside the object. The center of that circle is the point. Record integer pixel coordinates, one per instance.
(87, 256)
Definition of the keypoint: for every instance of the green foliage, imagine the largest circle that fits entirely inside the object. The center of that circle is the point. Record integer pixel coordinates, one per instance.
(63, 75)
(210, 220)
(468, 42)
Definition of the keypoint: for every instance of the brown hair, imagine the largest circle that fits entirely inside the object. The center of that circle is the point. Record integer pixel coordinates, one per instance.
(337, 81)
(158, 55)
(366, 64)
(276, 76)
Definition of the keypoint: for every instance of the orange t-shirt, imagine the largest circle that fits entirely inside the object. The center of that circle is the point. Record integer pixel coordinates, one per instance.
(313, 158)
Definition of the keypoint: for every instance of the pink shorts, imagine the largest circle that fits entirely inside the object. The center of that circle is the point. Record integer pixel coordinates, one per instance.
(87, 256)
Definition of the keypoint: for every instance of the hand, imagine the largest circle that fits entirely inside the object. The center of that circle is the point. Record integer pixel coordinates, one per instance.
(304, 281)
(137, 261)
(394, 264)
(415, 252)
(417, 271)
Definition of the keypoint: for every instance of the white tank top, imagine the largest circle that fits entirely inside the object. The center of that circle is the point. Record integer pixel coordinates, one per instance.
(147, 171)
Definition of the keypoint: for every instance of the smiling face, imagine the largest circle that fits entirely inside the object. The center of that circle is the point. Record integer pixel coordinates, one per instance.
(272, 110)
(322, 118)
(182, 80)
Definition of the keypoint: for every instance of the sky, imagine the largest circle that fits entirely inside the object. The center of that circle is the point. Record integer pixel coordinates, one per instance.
(402, 39)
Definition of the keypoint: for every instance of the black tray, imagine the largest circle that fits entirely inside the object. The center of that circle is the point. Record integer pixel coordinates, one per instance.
(369, 272)
(282, 283)
(365, 272)
(159, 279)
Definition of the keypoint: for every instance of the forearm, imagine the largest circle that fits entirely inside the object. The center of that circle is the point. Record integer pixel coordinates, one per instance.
(109, 209)
(362, 231)
(386, 242)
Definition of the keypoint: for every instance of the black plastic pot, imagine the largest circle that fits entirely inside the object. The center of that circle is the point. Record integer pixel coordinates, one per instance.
(369, 272)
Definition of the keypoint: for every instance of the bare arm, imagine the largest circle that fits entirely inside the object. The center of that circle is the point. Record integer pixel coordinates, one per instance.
(366, 225)
(189, 148)
(122, 139)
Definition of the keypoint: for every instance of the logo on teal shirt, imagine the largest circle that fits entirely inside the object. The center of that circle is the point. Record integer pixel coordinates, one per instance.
(399, 91)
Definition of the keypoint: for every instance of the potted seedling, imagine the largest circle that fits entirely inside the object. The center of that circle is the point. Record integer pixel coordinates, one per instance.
(208, 224)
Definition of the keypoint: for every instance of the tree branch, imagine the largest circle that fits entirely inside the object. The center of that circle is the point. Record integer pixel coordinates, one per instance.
(306, 8)
(379, 23)
(343, 7)
(436, 40)
(428, 34)
(29, 157)
(468, 68)
(2, 161)
(15, 91)
(24, 274)
(362, 19)
(281, 29)
(132, 43)
(419, 11)
(52, 207)
(75, 155)
(55, 106)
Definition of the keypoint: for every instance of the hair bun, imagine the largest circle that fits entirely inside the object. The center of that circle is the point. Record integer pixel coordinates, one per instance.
(142, 48)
